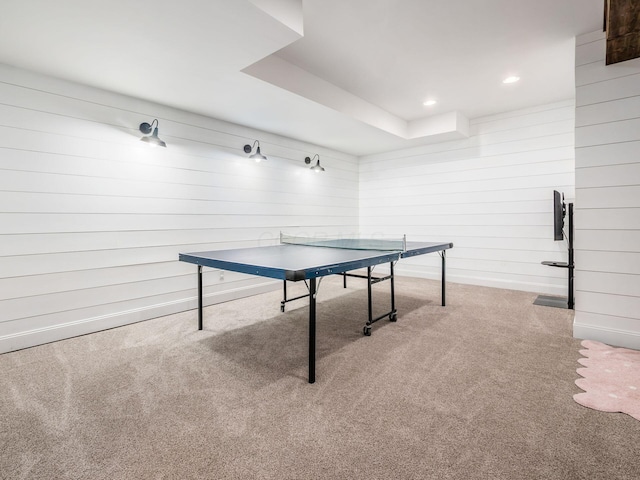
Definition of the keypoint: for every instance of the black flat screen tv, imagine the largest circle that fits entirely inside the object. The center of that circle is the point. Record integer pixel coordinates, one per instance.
(558, 215)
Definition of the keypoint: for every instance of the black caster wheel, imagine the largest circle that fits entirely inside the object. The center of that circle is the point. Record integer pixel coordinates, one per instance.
(367, 330)
(393, 317)
(282, 308)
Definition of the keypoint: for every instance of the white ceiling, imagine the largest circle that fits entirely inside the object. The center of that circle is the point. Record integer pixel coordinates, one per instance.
(345, 74)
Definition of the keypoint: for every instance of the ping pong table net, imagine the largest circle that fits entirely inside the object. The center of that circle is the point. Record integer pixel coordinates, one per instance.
(352, 243)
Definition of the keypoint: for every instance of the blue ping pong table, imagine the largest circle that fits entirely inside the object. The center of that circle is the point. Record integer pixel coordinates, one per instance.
(309, 259)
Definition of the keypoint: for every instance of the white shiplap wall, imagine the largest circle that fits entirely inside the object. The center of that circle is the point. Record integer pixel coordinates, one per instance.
(607, 196)
(92, 220)
(490, 194)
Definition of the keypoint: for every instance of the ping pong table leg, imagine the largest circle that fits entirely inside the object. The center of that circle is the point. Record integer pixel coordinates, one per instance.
(312, 330)
(367, 328)
(199, 297)
(443, 255)
(284, 299)
(393, 316)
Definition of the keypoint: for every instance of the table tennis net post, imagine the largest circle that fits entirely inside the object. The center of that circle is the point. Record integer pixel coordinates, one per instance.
(354, 243)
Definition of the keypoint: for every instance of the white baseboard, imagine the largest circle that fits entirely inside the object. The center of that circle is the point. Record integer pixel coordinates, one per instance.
(613, 337)
(560, 290)
(31, 338)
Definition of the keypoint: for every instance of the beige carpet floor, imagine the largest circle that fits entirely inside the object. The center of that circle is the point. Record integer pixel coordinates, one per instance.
(479, 389)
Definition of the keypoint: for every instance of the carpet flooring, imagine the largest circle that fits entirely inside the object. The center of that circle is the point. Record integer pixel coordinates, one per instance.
(480, 389)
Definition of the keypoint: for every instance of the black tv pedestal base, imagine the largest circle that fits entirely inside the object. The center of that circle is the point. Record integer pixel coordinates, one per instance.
(558, 302)
(551, 301)
(562, 302)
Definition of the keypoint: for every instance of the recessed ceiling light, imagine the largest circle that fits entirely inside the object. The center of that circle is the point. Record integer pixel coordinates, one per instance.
(512, 79)
(429, 103)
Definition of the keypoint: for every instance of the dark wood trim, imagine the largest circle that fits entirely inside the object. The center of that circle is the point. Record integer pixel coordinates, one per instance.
(622, 24)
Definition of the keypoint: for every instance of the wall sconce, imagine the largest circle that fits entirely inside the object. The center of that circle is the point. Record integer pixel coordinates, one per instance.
(258, 157)
(317, 167)
(153, 139)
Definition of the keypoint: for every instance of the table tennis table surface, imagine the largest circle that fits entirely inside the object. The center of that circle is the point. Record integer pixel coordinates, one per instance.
(299, 258)
(300, 262)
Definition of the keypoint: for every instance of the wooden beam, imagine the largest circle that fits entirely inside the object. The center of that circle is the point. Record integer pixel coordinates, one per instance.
(622, 21)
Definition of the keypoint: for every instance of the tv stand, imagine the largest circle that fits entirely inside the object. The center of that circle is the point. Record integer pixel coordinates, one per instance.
(562, 302)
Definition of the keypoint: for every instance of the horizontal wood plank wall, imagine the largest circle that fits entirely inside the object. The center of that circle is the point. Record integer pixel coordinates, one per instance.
(92, 220)
(607, 196)
(491, 195)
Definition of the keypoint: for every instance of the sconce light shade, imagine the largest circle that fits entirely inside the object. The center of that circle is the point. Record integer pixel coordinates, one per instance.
(258, 157)
(317, 167)
(152, 139)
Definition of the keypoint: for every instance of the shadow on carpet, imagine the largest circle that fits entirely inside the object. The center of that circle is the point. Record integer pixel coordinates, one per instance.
(277, 347)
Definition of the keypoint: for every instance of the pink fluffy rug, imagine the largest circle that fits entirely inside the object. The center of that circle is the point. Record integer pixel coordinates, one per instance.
(611, 380)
